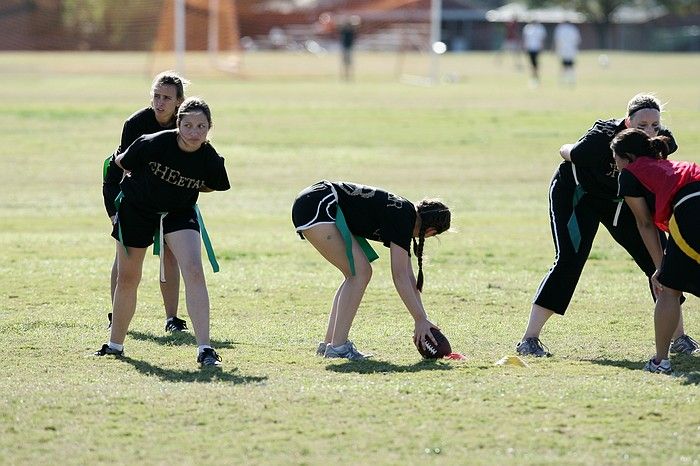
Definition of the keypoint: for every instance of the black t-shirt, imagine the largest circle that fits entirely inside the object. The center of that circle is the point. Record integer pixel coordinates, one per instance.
(142, 122)
(376, 214)
(595, 166)
(164, 178)
(630, 186)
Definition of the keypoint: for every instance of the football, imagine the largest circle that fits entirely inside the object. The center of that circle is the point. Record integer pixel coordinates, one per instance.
(430, 351)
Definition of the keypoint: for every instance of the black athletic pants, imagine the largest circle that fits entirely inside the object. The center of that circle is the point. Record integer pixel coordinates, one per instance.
(558, 285)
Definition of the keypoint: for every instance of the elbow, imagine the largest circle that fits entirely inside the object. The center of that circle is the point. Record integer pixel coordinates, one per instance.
(565, 152)
(646, 224)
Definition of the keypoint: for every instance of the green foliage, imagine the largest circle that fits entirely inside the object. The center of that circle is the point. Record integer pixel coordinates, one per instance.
(486, 144)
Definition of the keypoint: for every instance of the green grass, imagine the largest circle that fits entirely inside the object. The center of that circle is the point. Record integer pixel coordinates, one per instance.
(486, 144)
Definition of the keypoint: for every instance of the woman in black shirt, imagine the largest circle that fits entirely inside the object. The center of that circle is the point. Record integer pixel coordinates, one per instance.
(168, 170)
(337, 218)
(583, 195)
(167, 93)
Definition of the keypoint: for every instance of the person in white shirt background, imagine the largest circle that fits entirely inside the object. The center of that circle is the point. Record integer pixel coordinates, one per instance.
(534, 35)
(566, 43)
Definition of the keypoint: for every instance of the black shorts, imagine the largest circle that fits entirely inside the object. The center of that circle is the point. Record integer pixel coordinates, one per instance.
(138, 226)
(567, 62)
(678, 270)
(315, 205)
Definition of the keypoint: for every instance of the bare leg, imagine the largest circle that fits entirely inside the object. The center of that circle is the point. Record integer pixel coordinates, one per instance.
(331, 317)
(538, 317)
(186, 246)
(113, 276)
(666, 315)
(124, 305)
(171, 288)
(680, 331)
(327, 240)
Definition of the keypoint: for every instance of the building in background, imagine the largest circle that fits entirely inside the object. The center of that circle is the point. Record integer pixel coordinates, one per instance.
(387, 25)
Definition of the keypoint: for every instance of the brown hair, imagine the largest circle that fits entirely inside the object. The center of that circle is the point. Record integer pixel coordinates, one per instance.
(635, 142)
(170, 78)
(191, 105)
(433, 213)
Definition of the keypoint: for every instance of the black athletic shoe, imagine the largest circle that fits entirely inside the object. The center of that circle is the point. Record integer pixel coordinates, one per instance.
(208, 357)
(109, 317)
(174, 324)
(105, 350)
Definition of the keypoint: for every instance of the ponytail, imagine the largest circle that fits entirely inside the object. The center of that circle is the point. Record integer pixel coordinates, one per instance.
(635, 142)
(660, 144)
(433, 214)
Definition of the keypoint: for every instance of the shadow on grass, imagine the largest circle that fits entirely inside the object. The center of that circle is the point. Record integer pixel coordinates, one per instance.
(371, 366)
(205, 374)
(685, 367)
(177, 339)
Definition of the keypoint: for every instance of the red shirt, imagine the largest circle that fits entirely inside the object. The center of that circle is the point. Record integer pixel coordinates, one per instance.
(664, 178)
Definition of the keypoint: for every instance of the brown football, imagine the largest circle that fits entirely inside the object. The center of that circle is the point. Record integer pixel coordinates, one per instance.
(430, 351)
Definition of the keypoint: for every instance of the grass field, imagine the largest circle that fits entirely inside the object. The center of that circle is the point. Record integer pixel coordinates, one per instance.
(485, 143)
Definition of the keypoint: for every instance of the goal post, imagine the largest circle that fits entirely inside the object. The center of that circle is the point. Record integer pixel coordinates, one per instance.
(209, 26)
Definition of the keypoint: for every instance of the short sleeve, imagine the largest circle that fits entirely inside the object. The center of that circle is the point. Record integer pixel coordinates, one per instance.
(129, 134)
(398, 229)
(136, 154)
(217, 178)
(629, 185)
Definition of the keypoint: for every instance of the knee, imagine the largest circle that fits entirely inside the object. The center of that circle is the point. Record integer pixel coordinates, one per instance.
(670, 294)
(363, 273)
(128, 278)
(193, 273)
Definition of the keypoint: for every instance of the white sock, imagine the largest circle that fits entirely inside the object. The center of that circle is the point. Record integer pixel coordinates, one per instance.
(201, 348)
(116, 346)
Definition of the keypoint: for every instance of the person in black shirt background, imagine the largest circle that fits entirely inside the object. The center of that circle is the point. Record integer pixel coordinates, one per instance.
(582, 195)
(168, 170)
(337, 218)
(167, 93)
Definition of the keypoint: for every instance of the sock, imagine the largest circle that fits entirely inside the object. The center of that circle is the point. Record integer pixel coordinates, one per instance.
(116, 346)
(201, 348)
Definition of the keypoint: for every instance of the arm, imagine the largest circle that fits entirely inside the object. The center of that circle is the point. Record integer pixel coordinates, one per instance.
(204, 189)
(647, 228)
(565, 152)
(405, 283)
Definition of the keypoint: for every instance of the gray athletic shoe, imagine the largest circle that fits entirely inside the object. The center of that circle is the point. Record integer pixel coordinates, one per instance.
(532, 347)
(685, 345)
(663, 367)
(347, 350)
(321, 350)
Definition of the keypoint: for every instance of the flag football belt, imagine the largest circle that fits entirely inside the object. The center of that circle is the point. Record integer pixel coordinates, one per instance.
(158, 237)
(342, 226)
(105, 166)
(680, 241)
(572, 224)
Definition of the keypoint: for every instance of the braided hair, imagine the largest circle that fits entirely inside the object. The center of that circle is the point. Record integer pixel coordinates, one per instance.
(433, 214)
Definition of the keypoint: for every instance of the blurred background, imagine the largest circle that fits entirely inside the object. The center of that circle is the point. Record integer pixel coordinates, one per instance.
(230, 28)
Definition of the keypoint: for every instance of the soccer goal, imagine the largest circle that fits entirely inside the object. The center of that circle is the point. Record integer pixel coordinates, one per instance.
(197, 25)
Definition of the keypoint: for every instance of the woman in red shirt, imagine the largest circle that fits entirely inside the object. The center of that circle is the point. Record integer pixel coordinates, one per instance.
(665, 194)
